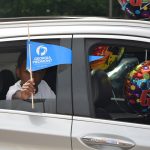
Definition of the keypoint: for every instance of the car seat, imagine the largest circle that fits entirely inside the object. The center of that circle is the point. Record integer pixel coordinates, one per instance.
(102, 93)
(8, 80)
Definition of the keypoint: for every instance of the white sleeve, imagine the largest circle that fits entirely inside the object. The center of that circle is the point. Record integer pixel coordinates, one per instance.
(12, 90)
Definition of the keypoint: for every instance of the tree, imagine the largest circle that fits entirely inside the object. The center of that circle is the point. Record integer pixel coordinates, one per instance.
(20, 8)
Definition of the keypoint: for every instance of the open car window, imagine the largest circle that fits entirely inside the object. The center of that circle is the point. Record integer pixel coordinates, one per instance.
(9, 52)
(120, 80)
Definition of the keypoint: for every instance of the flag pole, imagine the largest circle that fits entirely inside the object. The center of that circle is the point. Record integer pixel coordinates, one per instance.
(30, 70)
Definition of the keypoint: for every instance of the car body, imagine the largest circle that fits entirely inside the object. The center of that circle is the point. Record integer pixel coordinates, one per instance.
(70, 121)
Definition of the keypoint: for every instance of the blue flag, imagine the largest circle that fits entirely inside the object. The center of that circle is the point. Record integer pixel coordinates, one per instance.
(94, 58)
(43, 55)
(46, 55)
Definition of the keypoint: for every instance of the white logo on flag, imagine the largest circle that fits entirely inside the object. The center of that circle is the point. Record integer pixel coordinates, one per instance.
(41, 50)
(42, 58)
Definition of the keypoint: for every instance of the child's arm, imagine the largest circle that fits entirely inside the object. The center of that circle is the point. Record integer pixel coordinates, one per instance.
(25, 92)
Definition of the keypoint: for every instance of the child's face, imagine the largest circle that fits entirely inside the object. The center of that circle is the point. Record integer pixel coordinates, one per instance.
(24, 75)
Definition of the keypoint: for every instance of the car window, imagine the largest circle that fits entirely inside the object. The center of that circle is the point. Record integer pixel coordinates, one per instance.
(55, 78)
(120, 80)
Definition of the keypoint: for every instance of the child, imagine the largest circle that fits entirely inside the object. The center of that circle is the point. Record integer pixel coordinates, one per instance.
(25, 87)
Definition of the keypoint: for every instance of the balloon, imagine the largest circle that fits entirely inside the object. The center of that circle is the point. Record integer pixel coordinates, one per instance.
(110, 54)
(137, 88)
(136, 9)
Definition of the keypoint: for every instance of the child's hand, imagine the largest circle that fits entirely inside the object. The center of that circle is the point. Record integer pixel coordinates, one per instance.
(26, 91)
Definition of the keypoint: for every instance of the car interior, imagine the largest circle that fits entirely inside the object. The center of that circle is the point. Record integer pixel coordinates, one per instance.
(107, 79)
(9, 52)
(108, 83)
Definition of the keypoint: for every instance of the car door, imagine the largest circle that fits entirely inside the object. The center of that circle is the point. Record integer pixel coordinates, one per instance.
(48, 126)
(113, 126)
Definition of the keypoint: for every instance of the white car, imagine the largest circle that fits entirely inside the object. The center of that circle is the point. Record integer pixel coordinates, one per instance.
(98, 104)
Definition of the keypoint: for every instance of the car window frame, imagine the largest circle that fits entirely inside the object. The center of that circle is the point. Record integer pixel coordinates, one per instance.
(82, 97)
(64, 76)
(104, 39)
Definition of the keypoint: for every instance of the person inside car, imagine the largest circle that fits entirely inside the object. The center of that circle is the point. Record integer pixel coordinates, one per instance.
(25, 87)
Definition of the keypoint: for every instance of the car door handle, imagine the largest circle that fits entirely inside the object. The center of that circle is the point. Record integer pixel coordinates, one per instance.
(97, 142)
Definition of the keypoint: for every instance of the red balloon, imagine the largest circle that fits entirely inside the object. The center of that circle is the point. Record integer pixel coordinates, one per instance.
(136, 2)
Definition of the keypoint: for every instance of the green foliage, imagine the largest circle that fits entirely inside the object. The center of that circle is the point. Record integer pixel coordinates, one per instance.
(20, 8)
(117, 12)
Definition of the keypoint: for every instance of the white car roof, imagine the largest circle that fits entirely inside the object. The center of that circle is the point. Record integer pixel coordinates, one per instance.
(73, 25)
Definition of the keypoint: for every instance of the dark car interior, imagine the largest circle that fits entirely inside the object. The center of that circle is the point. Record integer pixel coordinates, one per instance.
(108, 88)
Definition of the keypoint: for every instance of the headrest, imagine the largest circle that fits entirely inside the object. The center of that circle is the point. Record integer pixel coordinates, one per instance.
(8, 77)
(8, 80)
(101, 87)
